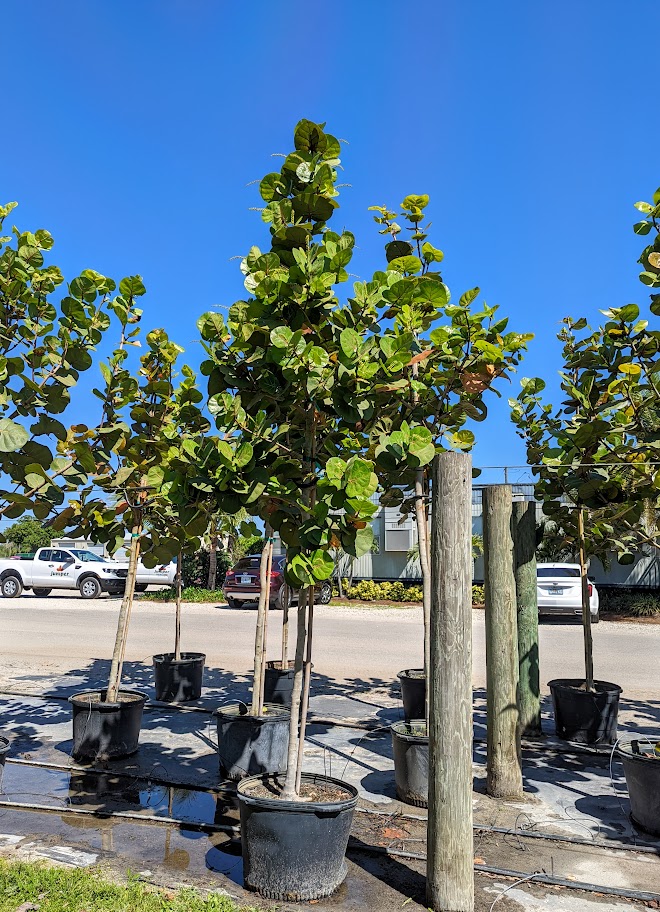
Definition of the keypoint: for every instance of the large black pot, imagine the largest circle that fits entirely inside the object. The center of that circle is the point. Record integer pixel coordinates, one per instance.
(413, 693)
(278, 683)
(585, 717)
(294, 851)
(252, 745)
(643, 780)
(179, 680)
(4, 750)
(103, 731)
(410, 748)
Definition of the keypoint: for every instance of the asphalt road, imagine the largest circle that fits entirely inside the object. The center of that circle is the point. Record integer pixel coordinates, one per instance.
(366, 644)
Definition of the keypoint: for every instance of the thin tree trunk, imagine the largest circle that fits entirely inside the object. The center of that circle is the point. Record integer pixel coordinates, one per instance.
(285, 628)
(289, 791)
(264, 645)
(449, 872)
(586, 608)
(423, 540)
(177, 626)
(503, 761)
(340, 584)
(307, 677)
(259, 635)
(524, 552)
(213, 557)
(124, 615)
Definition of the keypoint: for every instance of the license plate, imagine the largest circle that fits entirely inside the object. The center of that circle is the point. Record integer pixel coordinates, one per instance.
(555, 591)
(246, 580)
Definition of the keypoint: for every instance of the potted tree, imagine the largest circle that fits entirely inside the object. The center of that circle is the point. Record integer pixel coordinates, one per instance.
(595, 462)
(45, 345)
(292, 375)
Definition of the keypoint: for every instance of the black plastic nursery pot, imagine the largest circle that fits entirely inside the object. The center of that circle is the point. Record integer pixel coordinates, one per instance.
(179, 680)
(410, 747)
(585, 717)
(4, 750)
(104, 731)
(295, 850)
(642, 768)
(413, 693)
(252, 745)
(278, 683)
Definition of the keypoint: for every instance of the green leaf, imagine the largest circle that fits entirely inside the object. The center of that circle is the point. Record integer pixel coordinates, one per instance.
(364, 539)
(642, 227)
(406, 265)
(322, 564)
(280, 337)
(463, 440)
(468, 297)
(629, 368)
(349, 341)
(132, 286)
(12, 436)
(244, 454)
(396, 249)
(644, 207)
(359, 479)
(413, 201)
(432, 254)
(335, 469)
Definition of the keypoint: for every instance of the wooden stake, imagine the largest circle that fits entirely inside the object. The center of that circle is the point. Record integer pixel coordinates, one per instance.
(524, 560)
(264, 645)
(503, 762)
(285, 629)
(259, 633)
(450, 876)
(424, 563)
(289, 792)
(586, 608)
(177, 623)
(307, 677)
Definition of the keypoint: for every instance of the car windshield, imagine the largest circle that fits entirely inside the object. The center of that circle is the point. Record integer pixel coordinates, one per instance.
(248, 563)
(555, 572)
(83, 555)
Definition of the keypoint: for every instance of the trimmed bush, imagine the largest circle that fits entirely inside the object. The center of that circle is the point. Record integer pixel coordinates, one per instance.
(397, 591)
(628, 601)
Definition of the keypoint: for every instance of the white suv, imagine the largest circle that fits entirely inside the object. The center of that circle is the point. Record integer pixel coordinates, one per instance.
(559, 590)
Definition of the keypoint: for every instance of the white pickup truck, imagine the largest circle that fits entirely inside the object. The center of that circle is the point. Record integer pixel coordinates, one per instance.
(74, 568)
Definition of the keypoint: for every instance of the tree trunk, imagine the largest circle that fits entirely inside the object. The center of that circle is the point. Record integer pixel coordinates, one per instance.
(449, 873)
(213, 558)
(503, 763)
(307, 677)
(289, 791)
(177, 626)
(424, 563)
(340, 584)
(586, 608)
(285, 627)
(124, 615)
(524, 552)
(259, 634)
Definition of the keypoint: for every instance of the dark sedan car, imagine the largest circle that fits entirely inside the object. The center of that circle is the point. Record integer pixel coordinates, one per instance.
(241, 584)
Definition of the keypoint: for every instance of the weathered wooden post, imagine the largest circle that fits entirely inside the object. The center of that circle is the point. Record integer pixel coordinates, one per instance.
(503, 765)
(450, 874)
(524, 564)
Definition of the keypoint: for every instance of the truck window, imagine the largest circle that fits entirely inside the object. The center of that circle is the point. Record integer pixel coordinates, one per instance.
(62, 557)
(44, 554)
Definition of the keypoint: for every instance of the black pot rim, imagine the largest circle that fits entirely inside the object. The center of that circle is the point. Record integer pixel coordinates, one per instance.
(78, 699)
(271, 665)
(276, 713)
(5, 744)
(399, 729)
(573, 685)
(623, 754)
(300, 807)
(406, 674)
(187, 658)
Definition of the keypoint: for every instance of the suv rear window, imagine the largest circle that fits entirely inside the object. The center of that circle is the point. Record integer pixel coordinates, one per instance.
(248, 563)
(557, 571)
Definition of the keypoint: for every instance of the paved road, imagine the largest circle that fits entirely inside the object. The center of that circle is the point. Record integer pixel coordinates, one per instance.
(369, 645)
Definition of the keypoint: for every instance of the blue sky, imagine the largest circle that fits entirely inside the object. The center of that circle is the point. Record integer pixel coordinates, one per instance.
(131, 130)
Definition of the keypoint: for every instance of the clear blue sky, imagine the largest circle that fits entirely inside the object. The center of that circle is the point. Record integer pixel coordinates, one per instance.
(132, 129)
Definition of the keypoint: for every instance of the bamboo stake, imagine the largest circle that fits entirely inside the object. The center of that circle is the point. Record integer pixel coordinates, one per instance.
(264, 645)
(124, 616)
(586, 608)
(259, 633)
(177, 623)
(306, 682)
(285, 629)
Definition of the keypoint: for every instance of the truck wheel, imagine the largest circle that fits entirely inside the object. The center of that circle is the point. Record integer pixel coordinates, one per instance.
(141, 587)
(325, 595)
(283, 599)
(232, 603)
(11, 587)
(595, 618)
(90, 588)
(42, 593)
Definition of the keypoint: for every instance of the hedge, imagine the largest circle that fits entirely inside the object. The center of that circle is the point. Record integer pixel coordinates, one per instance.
(637, 603)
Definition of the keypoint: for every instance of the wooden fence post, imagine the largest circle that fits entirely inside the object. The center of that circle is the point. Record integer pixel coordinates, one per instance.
(524, 562)
(450, 874)
(503, 765)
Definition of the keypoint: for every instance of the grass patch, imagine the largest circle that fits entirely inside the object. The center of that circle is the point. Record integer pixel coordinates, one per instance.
(52, 889)
(189, 594)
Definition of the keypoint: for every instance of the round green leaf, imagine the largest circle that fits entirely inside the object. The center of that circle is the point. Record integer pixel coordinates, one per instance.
(12, 436)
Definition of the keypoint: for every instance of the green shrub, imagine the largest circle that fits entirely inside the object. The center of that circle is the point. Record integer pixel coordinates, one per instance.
(189, 594)
(478, 595)
(628, 601)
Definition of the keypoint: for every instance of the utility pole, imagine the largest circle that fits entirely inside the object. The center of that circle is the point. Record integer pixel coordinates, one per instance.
(449, 872)
(524, 563)
(503, 763)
